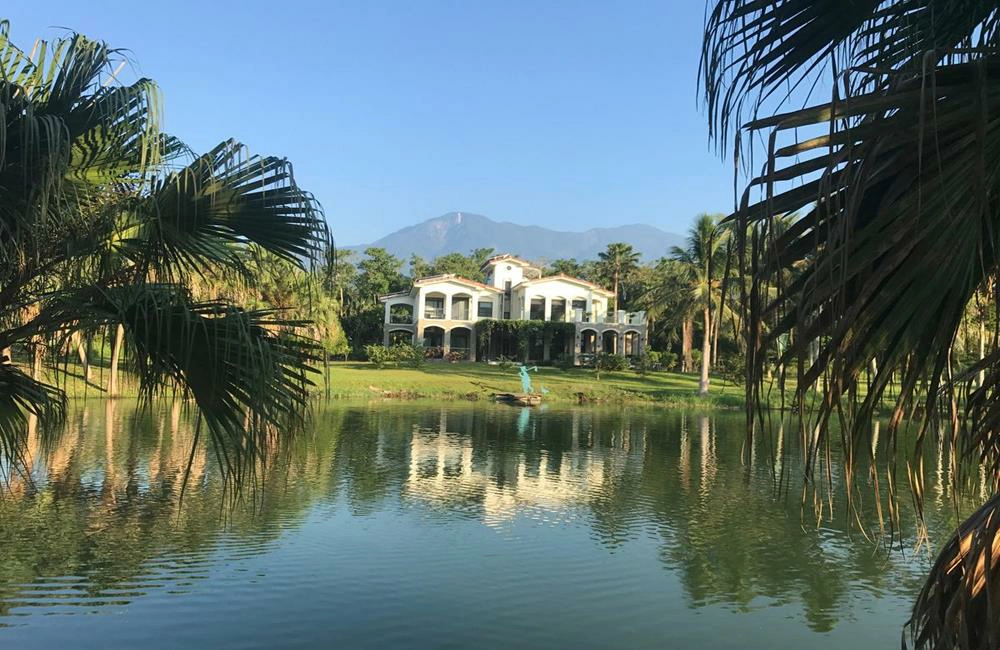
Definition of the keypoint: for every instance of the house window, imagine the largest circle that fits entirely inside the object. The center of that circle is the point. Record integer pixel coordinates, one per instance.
(434, 307)
(558, 310)
(537, 311)
(485, 309)
(460, 307)
(580, 314)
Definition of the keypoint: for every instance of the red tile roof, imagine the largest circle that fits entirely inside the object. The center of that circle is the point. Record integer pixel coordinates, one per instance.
(507, 258)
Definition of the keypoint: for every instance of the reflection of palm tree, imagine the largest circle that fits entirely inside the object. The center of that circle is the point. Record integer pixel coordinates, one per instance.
(897, 233)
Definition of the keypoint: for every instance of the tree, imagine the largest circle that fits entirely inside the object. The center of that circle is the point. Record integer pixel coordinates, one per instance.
(419, 268)
(105, 228)
(895, 181)
(617, 263)
(670, 305)
(703, 262)
(339, 274)
(380, 273)
(468, 266)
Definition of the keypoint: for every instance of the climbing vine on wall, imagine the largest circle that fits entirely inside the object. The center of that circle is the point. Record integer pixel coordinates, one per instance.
(521, 331)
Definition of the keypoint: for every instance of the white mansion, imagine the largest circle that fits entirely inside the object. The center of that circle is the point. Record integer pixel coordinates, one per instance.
(441, 311)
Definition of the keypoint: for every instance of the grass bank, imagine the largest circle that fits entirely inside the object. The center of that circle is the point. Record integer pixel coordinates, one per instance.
(475, 381)
(451, 381)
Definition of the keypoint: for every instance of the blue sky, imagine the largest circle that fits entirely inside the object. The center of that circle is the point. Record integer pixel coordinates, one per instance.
(568, 114)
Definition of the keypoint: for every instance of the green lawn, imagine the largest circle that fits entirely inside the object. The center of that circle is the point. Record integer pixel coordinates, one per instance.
(481, 381)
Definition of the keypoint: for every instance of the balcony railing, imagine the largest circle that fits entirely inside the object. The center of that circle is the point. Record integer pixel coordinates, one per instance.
(437, 314)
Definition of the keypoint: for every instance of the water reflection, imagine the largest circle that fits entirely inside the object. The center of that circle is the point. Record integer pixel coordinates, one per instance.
(99, 523)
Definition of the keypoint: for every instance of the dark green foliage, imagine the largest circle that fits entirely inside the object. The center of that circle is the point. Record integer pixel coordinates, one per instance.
(108, 223)
(401, 354)
(897, 230)
(605, 362)
(521, 331)
(468, 266)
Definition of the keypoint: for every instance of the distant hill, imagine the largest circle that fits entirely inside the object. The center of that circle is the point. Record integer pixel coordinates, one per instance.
(460, 232)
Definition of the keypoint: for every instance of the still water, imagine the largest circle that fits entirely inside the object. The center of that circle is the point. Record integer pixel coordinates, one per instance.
(446, 526)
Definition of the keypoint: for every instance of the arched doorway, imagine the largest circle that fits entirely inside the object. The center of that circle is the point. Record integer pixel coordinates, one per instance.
(557, 310)
(461, 307)
(588, 342)
(632, 343)
(434, 341)
(609, 342)
(401, 314)
(461, 342)
(434, 306)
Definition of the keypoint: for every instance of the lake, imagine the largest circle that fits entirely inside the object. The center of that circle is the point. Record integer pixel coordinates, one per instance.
(449, 526)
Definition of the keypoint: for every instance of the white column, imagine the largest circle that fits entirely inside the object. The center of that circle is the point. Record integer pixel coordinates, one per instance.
(447, 340)
(421, 305)
(548, 309)
(387, 310)
(447, 308)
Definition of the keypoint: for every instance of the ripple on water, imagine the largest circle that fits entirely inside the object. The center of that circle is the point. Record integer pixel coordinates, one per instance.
(457, 526)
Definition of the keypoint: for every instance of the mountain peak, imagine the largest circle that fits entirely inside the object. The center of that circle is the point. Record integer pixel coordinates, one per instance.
(461, 232)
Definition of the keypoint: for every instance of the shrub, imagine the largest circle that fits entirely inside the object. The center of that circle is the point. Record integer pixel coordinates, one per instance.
(400, 354)
(505, 363)
(609, 363)
(564, 361)
(379, 355)
(409, 355)
(644, 363)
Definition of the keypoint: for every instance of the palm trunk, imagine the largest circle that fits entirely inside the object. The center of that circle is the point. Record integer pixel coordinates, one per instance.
(615, 310)
(36, 365)
(706, 351)
(116, 349)
(687, 334)
(84, 357)
(715, 337)
(982, 352)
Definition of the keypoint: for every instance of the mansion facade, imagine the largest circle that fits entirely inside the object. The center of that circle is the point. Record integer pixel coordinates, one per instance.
(442, 312)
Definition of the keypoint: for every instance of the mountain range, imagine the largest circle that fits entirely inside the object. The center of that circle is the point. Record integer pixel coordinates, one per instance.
(461, 232)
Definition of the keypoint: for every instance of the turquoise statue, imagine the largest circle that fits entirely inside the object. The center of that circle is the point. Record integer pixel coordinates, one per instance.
(526, 387)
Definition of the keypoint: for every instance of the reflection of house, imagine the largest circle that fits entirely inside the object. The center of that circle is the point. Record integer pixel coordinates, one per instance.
(442, 311)
(445, 469)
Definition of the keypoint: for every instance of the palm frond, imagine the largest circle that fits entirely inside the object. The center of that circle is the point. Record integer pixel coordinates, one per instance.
(205, 214)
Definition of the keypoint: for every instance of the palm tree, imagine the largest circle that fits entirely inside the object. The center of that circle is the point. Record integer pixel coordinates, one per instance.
(103, 227)
(617, 263)
(669, 302)
(703, 260)
(895, 180)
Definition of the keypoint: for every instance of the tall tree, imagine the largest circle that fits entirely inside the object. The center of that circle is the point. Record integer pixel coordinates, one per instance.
(670, 304)
(895, 178)
(380, 273)
(616, 264)
(106, 221)
(703, 260)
